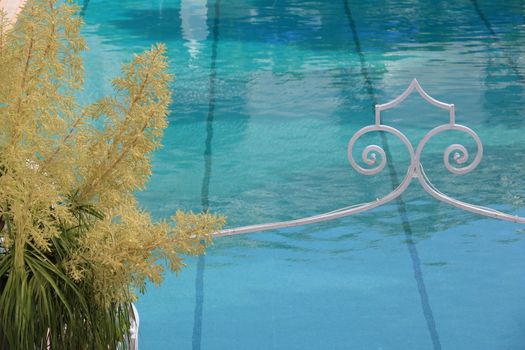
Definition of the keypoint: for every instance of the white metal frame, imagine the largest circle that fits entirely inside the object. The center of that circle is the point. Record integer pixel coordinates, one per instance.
(370, 156)
(134, 328)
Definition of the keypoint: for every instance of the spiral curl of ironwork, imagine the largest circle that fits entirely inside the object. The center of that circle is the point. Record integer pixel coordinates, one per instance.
(370, 152)
(459, 152)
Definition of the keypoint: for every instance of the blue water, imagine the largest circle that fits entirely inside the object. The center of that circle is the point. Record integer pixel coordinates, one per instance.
(267, 95)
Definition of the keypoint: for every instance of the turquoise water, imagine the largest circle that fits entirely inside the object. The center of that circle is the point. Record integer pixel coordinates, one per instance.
(267, 95)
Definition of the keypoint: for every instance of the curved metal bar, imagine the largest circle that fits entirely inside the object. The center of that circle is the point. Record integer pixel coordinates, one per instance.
(414, 85)
(473, 208)
(324, 217)
(368, 158)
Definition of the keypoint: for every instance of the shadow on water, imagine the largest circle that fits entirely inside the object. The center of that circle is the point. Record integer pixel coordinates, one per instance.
(84, 7)
(152, 23)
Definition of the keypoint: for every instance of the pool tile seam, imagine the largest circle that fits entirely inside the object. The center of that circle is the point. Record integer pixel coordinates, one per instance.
(205, 188)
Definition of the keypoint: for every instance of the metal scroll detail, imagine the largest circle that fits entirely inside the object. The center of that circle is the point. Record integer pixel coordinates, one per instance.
(458, 152)
(375, 158)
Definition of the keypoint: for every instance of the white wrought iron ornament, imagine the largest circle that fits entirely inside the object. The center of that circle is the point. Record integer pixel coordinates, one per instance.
(370, 157)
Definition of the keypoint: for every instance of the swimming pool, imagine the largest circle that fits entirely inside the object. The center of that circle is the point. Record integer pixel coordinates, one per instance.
(267, 95)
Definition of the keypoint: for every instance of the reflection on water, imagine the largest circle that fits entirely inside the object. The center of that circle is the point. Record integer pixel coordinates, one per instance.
(194, 27)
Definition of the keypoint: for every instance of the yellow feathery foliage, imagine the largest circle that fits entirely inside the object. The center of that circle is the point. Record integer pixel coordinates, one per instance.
(75, 246)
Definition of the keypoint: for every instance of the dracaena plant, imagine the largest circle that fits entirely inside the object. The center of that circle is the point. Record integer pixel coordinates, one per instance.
(75, 245)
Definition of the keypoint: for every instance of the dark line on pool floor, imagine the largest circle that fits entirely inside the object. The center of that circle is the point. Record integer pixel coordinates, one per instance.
(205, 188)
(401, 205)
(199, 303)
(513, 65)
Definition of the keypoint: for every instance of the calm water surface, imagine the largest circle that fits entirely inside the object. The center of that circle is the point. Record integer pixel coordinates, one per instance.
(266, 97)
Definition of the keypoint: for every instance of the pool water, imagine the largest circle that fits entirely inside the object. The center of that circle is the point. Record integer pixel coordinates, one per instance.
(266, 97)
